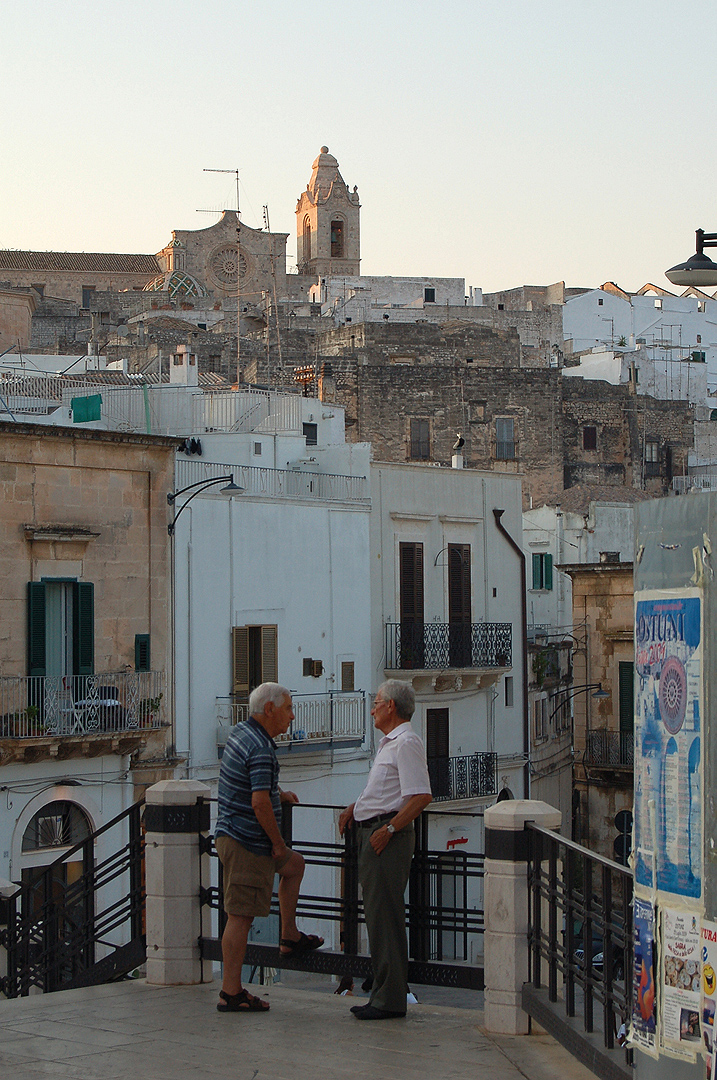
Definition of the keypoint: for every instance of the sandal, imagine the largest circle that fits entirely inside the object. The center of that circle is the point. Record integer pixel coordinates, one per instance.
(306, 944)
(241, 1002)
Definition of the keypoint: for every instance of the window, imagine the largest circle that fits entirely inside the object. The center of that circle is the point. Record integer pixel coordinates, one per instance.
(437, 752)
(257, 449)
(600, 302)
(652, 458)
(57, 824)
(658, 302)
(411, 652)
(311, 434)
(337, 239)
(61, 628)
(459, 605)
(87, 291)
(589, 438)
(420, 440)
(307, 238)
(699, 357)
(540, 717)
(347, 676)
(562, 717)
(626, 674)
(542, 570)
(504, 438)
(254, 657)
(508, 691)
(429, 296)
(141, 652)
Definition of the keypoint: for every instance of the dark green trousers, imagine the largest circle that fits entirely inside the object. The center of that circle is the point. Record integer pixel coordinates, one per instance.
(383, 879)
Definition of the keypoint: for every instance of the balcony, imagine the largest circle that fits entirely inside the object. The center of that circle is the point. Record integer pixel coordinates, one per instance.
(320, 720)
(45, 707)
(437, 646)
(610, 749)
(279, 483)
(467, 777)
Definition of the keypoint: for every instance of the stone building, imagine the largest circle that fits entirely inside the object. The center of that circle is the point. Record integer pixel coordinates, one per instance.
(327, 222)
(17, 307)
(74, 275)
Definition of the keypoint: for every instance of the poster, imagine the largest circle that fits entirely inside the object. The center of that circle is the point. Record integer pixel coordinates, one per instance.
(643, 1031)
(668, 709)
(709, 993)
(681, 972)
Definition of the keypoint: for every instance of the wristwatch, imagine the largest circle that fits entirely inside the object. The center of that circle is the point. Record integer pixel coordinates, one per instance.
(390, 829)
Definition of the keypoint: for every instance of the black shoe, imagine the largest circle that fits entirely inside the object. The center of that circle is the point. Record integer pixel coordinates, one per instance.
(369, 1012)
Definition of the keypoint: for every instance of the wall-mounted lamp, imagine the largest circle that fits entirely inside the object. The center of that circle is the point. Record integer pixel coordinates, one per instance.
(572, 691)
(230, 489)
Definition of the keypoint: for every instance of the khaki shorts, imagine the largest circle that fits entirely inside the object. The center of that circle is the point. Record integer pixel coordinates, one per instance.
(248, 878)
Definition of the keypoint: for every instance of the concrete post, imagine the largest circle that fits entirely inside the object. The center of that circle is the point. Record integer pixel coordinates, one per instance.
(505, 891)
(176, 812)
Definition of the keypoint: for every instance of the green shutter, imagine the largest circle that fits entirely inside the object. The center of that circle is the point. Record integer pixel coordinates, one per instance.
(548, 582)
(84, 628)
(537, 584)
(141, 652)
(627, 703)
(36, 657)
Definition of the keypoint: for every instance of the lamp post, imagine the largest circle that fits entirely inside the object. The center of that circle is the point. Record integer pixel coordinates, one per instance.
(699, 269)
(201, 485)
(572, 691)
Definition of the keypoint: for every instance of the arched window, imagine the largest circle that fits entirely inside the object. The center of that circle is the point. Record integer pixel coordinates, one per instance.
(337, 239)
(307, 238)
(58, 824)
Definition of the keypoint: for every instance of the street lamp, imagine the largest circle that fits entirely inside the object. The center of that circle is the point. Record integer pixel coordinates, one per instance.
(201, 485)
(699, 270)
(572, 691)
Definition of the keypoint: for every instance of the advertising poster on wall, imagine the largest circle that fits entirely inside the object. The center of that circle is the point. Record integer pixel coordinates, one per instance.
(668, 711)
(681, 983)
(644, 1019)
(709, 993)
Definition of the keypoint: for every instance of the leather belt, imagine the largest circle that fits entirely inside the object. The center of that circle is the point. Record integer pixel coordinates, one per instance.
(378, 820)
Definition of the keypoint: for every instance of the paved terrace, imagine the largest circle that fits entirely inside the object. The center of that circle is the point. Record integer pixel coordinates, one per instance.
(129, 1030)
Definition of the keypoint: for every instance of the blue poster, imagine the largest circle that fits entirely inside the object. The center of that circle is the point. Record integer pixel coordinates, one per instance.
(643, 1032)
(668, 704)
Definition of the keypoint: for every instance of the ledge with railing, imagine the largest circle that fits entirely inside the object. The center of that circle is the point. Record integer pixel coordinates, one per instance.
(468, 777)
(278, 483)
(438, 646)
(334, 717)
(610, 749)
(41, 706)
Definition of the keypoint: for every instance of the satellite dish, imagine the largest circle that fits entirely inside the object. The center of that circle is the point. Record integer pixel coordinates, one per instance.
(123, 331)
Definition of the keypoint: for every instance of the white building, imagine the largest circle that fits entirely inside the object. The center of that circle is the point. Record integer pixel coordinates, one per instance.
(665, 379)
(373, 299)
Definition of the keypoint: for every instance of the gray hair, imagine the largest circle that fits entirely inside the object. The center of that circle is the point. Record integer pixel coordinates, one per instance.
(268, 692)
(401, 694)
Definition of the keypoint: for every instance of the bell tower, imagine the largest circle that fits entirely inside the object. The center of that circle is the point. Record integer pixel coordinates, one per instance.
(328, 223)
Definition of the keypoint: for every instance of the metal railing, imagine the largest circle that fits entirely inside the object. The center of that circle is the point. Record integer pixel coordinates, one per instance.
(277, 483)
(37, 706)
(63, 931)
(700, 482)
(444, 913)
(580, 931)
(466, 777)
(448, 645)
(337, 716)
(610, 748)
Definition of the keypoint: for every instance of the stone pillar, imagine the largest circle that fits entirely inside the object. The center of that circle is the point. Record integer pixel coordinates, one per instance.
(176, 812)
(505, 892)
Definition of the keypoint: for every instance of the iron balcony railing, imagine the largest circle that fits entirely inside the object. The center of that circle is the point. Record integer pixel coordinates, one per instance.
(444, 912)
(610, 749)
(337, 716)
(37, 706)
(466, 777)
(278, 483)
(580, 935)
(434, 645)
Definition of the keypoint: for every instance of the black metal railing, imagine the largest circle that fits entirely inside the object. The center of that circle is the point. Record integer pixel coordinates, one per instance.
(580, 931)
(463, 777)
(610, 748)
(65, 929)
(444, 913)
(411, 644)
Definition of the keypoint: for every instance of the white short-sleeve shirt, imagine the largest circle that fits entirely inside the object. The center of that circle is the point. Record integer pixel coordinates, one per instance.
(398, 772)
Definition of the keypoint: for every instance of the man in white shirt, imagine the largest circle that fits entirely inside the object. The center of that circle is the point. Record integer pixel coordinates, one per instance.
(396, 792)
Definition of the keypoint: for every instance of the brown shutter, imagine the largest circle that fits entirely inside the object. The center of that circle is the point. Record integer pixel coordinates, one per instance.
(411, 584)
(459, 583)
(269, 654)
(240, 659)
(436, 734)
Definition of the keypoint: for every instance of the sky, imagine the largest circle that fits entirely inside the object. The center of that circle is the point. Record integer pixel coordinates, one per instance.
(506, 142)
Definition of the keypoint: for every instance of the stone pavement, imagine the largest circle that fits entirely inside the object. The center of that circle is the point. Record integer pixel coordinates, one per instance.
(131, 1031)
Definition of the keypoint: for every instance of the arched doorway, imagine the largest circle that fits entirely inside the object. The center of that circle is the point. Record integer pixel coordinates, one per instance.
(55, 826)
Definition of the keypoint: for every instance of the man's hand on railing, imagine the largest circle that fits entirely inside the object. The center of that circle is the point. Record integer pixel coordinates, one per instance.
(346, 818)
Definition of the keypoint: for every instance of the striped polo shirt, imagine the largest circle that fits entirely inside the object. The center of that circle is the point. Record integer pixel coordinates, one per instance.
(249, 764)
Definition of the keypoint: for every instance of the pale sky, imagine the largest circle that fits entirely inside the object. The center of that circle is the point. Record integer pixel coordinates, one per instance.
(508, 142)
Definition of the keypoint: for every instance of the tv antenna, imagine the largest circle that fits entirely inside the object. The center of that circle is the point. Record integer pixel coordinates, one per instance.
(232, 172)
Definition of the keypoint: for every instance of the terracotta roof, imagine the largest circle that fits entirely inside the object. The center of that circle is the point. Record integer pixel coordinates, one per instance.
(84, 261)
(577, 499)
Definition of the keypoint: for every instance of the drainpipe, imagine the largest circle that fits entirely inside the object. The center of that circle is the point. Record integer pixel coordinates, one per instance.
(498, 514)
